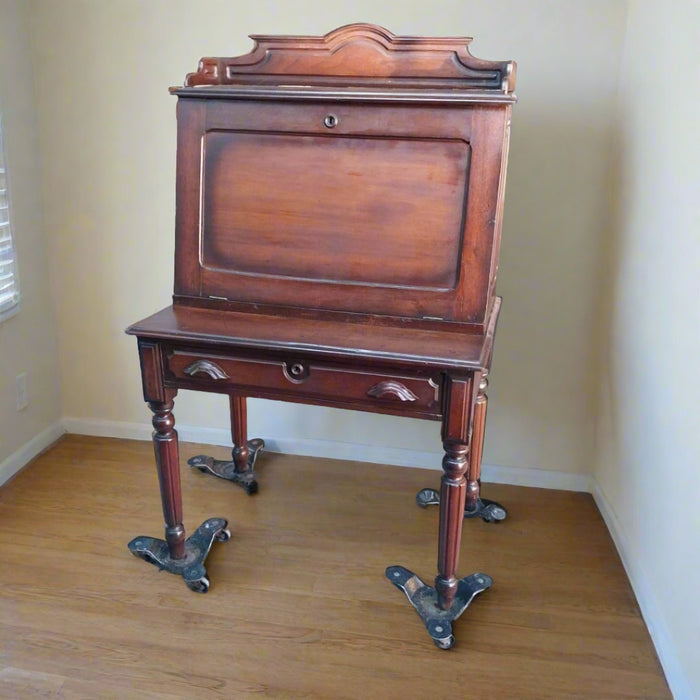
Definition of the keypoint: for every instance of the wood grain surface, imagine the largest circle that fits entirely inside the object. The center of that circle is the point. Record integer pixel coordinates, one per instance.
(341, 341)
(299, 606)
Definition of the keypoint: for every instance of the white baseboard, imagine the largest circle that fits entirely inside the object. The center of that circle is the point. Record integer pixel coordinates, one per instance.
(143, 431)
(658, 631)
(108, 428)
(540, 478)
(25, 454)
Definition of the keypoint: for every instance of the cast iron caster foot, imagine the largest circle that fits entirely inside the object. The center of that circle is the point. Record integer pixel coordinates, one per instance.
(197, 547)
(224, 469)
(424, 599)
(488, 511)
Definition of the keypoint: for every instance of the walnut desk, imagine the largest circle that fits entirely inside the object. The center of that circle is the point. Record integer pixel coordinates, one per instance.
(339, 204)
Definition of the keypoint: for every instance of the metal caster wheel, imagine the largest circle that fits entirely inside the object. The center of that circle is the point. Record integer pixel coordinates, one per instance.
(223, 535)
(446, 643)
(227, 468)
(146, 556)
(488, 511)
(427, 497)
(191, 565)
(201, 585)
(425, 601)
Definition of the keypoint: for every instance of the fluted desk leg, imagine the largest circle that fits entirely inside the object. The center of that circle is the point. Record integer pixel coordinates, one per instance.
(475, 506)
(438, 607)
(176, 554)
(240, 469)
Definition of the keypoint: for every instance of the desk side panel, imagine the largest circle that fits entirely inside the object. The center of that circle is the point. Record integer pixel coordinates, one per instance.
(191, 119)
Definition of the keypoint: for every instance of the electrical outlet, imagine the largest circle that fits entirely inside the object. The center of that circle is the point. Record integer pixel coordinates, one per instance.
(21, 387)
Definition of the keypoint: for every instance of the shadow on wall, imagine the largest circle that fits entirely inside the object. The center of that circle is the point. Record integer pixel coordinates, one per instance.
(606, 442)
(544, 378)
(543, 387)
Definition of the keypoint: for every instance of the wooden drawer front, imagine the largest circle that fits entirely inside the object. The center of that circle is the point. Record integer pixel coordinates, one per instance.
(302, 379)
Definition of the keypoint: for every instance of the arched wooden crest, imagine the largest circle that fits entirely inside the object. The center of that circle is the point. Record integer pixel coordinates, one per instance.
(358, 55)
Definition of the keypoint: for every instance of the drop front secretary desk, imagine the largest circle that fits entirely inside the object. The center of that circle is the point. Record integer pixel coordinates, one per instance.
(339, 204)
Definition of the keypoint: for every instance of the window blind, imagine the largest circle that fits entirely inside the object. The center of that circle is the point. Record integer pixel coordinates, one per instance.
(9, 290)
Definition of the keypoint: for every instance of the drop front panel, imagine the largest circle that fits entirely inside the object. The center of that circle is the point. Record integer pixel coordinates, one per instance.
(334, 209)
(390, 211)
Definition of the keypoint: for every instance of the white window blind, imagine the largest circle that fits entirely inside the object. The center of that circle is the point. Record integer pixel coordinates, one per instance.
(9, 289)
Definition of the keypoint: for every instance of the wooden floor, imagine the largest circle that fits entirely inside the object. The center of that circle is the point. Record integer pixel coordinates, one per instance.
(299, 606)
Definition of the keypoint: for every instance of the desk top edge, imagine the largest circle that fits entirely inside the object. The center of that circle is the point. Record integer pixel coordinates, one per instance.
(312, 93)
(345, 341)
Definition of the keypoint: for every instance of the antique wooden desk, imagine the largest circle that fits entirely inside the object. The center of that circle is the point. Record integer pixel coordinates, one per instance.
(339, 203)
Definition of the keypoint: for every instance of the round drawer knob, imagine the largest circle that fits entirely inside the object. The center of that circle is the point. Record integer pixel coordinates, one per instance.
(297, 372)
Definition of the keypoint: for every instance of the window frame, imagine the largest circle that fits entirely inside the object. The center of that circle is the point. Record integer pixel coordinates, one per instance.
(11, 305)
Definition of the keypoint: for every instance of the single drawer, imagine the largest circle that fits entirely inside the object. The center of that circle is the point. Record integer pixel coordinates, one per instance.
(299, 380)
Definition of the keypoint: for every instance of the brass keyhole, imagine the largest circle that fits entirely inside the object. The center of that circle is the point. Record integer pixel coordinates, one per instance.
(330, 121)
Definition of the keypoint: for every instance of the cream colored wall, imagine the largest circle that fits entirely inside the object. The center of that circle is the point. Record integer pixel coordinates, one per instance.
(27, 340)
(107, 132)
(647, 462)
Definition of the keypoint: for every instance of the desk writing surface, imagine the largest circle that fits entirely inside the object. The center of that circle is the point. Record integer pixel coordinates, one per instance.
(401, 345)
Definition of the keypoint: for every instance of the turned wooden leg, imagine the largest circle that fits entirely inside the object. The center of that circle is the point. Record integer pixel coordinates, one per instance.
(176, 554)
(475, 506)
(239, 432)
(440, 606)
(477, 444)
(167, 461)
(456, 429)
(240, 469)
(453, 491)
